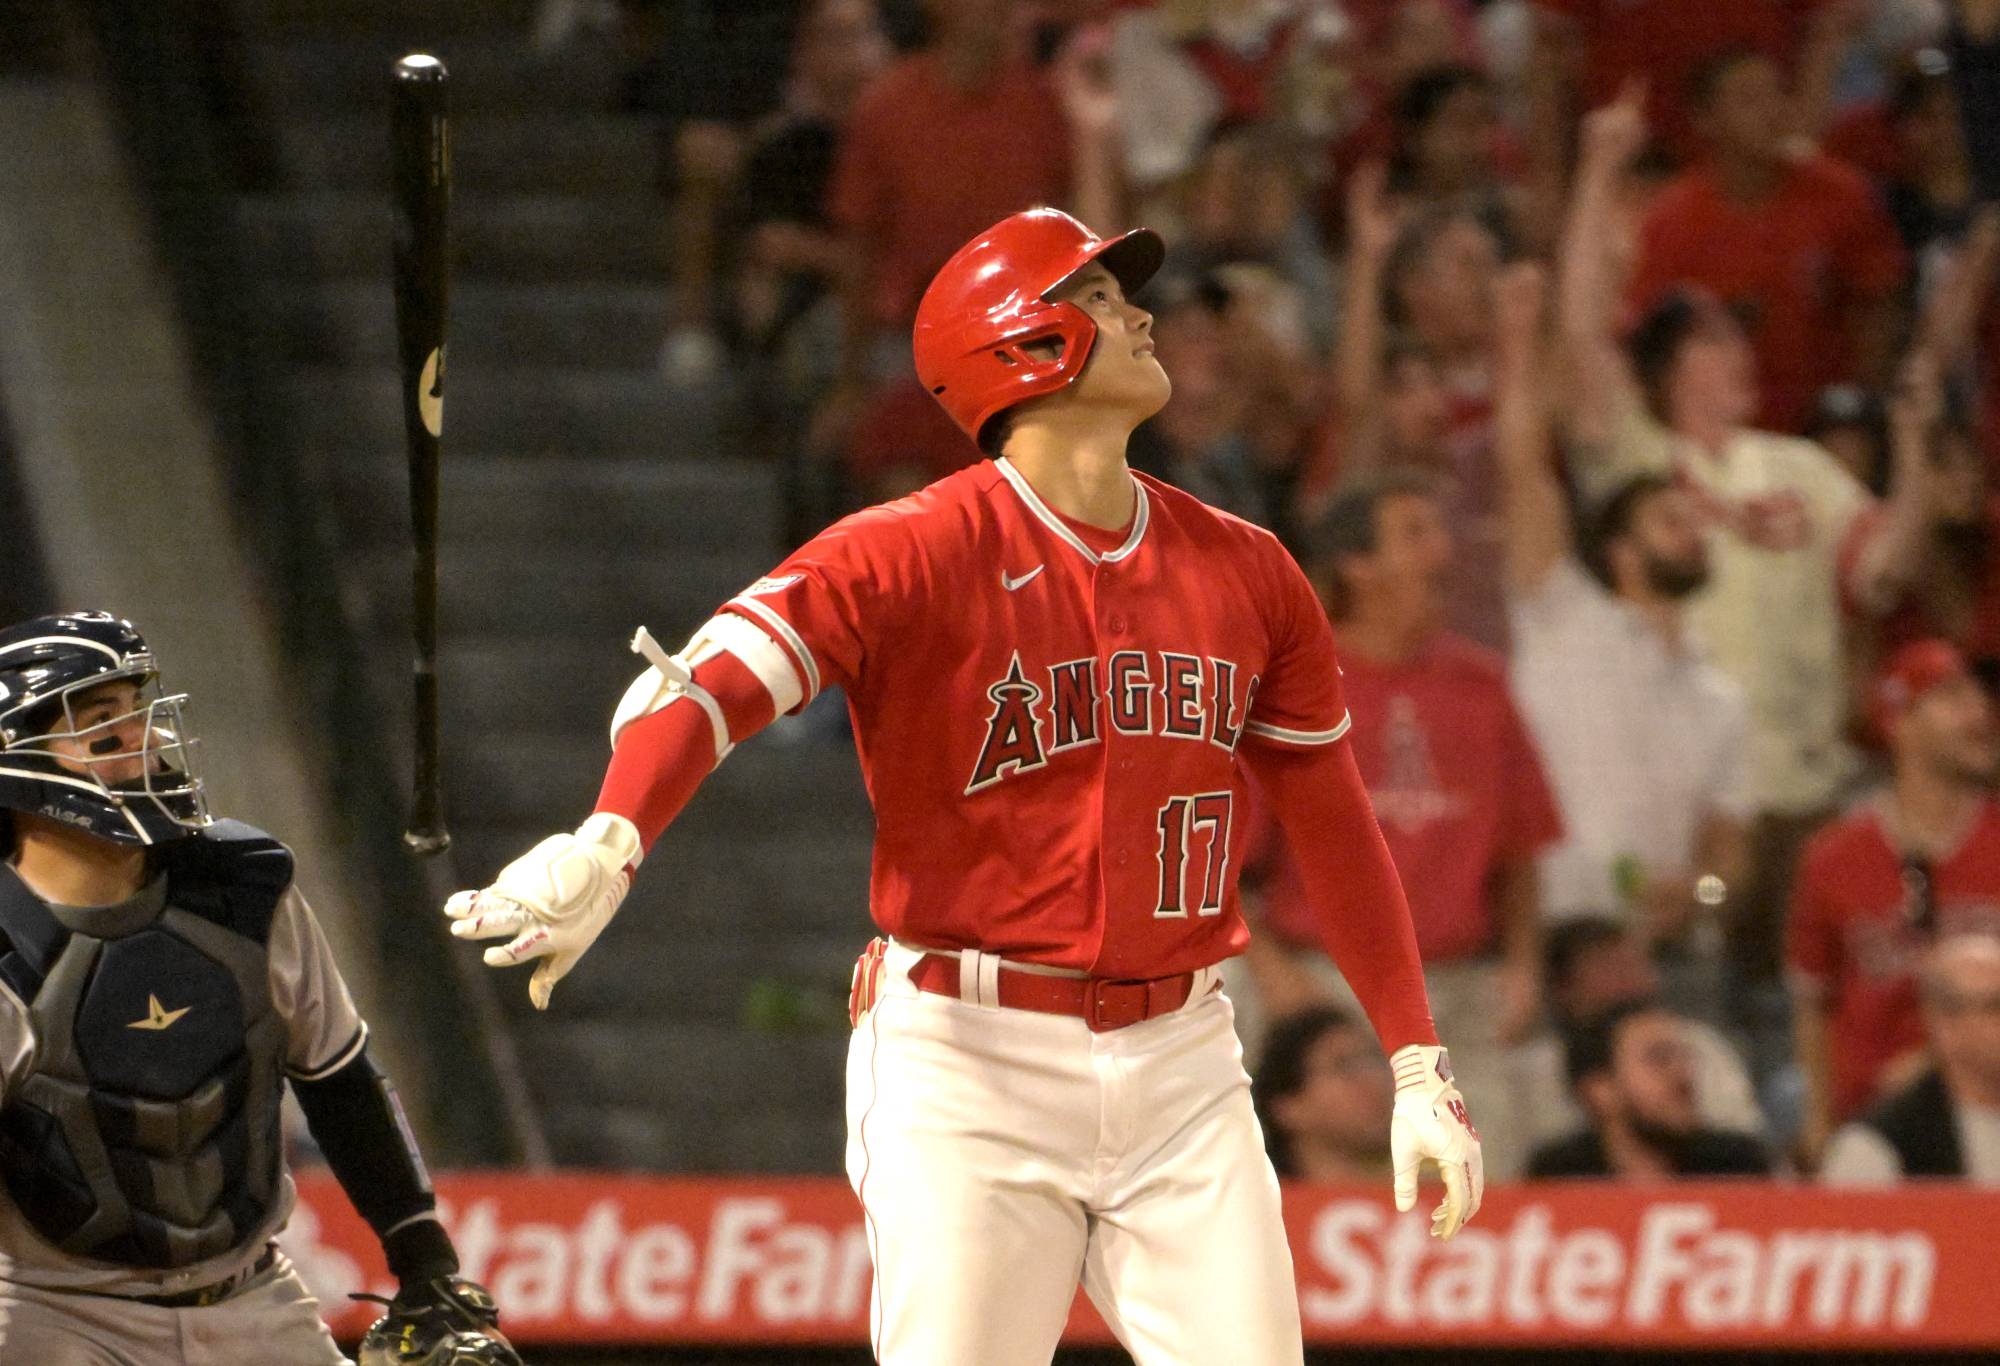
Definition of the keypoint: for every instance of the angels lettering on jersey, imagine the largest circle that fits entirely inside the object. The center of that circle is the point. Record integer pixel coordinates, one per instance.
(1040, 713)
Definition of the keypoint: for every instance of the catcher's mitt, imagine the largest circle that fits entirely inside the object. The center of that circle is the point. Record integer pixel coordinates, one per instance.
(449, 1321)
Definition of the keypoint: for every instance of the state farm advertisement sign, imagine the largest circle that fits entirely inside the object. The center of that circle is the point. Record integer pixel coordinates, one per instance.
(590, 1258)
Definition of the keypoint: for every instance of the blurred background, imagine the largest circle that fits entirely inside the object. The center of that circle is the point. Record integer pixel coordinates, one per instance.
(1620, 370)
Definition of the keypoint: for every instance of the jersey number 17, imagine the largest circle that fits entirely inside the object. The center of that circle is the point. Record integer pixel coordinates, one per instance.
(1187, 824)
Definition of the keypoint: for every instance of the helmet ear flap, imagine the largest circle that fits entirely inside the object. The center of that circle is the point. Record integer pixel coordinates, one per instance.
(1043, 356)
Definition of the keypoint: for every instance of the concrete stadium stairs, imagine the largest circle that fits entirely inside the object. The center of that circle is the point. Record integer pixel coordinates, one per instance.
(581, 498)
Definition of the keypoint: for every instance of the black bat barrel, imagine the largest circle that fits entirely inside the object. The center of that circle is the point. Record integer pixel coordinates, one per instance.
(420, 136)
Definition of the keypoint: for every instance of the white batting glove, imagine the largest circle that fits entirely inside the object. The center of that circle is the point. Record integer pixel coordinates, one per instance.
(1429, 1123)
(553, 901)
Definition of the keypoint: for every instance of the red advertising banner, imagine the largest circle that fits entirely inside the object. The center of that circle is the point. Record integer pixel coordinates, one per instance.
(598, 1258)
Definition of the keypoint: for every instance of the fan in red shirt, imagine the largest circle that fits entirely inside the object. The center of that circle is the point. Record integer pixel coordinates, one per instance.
(1797, 243)
(1602, 44)
(946, 141)
(950, 138)
(1454, 778)
(1874, 887)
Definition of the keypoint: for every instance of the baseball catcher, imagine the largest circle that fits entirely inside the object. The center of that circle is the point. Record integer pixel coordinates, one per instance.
(161, 980)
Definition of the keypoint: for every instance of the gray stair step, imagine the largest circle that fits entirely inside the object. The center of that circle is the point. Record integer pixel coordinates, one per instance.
(789, 883)
(492, 152)
(532, 410)
(563, 685)
(722, 973)
(689, 1098)
(710, 1139)
(613, 325)
(581, 498)
(350, 72)
(805, 798)
(308, 238)
(706, 1059)
(658, 508)
(488, 589)
(348, 17)
(520, 777)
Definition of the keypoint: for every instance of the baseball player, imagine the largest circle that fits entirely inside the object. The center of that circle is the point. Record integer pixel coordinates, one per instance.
(1059, 673)
(161, 978)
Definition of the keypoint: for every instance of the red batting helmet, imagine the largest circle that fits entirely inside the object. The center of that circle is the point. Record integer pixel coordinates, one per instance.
(988, 303)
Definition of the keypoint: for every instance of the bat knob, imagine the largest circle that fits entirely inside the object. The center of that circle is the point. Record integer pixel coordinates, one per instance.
(426, 843)
(421, 67)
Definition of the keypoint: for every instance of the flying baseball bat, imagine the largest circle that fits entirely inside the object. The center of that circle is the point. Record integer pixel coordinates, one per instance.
(420, 139)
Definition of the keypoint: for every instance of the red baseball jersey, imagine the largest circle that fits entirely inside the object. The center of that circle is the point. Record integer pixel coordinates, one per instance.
(1049, 727)
(1457, 785)
(1853, 938)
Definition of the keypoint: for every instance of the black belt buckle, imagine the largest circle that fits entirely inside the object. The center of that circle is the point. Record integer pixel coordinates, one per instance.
(204, 1296)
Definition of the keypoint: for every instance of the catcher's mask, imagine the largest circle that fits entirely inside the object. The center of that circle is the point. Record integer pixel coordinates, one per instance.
(115, 762)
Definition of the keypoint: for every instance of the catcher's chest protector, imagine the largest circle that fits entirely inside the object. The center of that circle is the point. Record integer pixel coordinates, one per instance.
(148, 1133)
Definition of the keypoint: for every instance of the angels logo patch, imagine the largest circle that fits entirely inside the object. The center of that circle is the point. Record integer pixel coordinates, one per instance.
(770, 585)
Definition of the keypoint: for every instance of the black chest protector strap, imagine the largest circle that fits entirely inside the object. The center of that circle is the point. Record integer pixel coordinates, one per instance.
(148, 1133)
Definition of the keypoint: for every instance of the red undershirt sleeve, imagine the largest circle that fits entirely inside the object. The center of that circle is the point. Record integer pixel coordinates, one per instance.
(661, 759)
(1350, 883)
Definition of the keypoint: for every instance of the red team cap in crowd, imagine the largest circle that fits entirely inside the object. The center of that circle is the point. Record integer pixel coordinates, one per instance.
(988, 303)
(1911, 672)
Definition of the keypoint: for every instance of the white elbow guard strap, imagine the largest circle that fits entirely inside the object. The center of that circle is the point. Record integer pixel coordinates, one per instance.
(671, 677)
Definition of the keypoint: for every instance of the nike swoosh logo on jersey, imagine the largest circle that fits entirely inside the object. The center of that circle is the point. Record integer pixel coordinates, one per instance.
(1010, 584)
(158, 1016)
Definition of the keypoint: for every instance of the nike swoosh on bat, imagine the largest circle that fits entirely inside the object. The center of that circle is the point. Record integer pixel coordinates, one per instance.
(1010, 584)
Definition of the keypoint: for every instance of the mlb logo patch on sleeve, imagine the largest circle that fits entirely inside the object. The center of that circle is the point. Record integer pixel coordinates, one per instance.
(771, 585)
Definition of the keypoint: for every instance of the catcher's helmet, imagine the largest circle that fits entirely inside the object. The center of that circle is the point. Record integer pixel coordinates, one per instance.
(988, 303)
(45, 663)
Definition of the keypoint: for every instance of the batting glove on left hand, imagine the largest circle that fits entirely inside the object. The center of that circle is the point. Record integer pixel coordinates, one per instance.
(1429, 1123)
(553, 901)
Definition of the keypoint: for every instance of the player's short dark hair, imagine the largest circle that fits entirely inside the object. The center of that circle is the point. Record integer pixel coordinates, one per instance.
(1589, 1045)
(993, 433)
(1281, 1072)
(1613, 521)
(1351, 525)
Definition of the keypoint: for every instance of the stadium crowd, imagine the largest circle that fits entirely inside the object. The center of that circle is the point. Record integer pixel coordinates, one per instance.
(1622, 373)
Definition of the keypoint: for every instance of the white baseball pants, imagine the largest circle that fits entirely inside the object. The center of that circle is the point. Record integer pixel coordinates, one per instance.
(273, 1319)
(1002, 1155)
